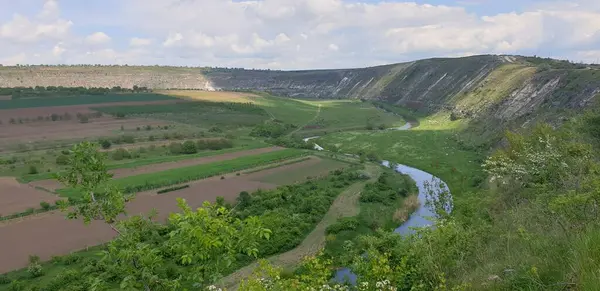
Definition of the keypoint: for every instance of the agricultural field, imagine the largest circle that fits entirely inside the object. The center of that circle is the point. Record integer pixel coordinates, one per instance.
(200, 146)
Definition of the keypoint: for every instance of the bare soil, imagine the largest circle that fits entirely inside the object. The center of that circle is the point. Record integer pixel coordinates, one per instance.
(11, 134)
(16, 197)
(7, 114)
(50, 235)
(53, 185)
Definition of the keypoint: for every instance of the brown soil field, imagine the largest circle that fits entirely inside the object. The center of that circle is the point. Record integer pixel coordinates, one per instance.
(22, 238)
(52, 185)
(16, 197)
(67, 130)
(6, 114)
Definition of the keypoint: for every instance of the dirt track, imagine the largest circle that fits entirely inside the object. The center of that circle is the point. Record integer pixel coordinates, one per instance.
(49, 234)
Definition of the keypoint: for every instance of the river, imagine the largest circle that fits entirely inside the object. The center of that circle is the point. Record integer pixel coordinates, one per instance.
(421, 217)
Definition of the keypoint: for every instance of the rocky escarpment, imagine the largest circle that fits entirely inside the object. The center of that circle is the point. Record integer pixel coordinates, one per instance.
(489, 86)
(106, 77)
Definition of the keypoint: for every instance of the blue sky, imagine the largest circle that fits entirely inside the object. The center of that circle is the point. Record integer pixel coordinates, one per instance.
(292, 34)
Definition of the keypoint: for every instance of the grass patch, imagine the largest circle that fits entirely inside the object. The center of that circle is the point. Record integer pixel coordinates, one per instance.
(198, 113)
(434, 151)
(161, 179)
(81, 100)
(172, 189)
(298, 174)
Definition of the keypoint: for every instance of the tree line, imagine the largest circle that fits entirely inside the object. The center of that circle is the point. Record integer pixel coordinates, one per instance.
(59, 91)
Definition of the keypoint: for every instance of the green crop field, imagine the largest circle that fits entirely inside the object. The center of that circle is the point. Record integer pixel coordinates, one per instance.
(345, 114)
(80, 100)
(156, 180)
(199, 113)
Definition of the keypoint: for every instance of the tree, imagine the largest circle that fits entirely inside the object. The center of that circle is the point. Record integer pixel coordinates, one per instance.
(88, 173)
(210, 239)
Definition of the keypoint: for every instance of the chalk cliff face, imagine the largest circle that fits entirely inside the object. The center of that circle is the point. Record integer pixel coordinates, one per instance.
(499, 87)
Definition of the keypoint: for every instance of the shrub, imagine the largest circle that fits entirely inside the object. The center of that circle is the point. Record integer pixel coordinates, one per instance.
(222, 177)
(62, 160)
(34, 269)
(45, 205)
(189, 147)
(4, 280)
(105, 143)
(148, 127)
(84, 119)
(121, 154)
(120, 115)
(215, 129)
(32, 170)
(137, 128)
(151, 138)
(346, 223)
(175, 148)
(172, 189)
(71, 259)
(128, 139)
(16, 285)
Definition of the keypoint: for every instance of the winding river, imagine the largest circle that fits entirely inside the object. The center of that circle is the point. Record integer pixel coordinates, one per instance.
(429, 187)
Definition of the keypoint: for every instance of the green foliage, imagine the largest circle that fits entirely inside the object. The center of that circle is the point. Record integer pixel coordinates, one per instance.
(105, 143)
(172, 189)
(45, 205)
(62, 160)
(346, 223)
(87, 173)
(32, 170)
(214, 144)
(272, 129)
(220, 236)
(34, 268)
(189, 147)
(292, 211)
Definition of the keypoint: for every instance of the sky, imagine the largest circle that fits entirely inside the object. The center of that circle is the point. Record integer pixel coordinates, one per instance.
(292, 34)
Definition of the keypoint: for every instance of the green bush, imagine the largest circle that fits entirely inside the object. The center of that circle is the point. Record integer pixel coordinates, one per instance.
(4, 280)
(45, 205)
(189, 147)
(105, 143)
(16, 285)
(121, 154)
(62, 160)
(176, 148)
(32, 170)
(346, 223)
(172, 189)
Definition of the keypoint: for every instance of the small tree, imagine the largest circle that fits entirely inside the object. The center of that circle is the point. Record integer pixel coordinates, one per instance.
(189, 147)
(32, 170)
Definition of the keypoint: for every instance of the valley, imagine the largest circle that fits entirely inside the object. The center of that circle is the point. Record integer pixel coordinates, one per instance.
(514, 142)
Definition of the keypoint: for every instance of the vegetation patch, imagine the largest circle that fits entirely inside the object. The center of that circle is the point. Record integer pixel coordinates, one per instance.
(67, 101)
(278, 165)
(172, 189)
(133, 184)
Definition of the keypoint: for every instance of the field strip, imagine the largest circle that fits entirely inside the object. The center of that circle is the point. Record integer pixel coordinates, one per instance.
(158, 165)
(178, 175)
(345, 205)
(273, 166)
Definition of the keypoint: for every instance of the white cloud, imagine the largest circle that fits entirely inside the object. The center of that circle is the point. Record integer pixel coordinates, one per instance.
(97, 38)
(296, 33)
(136, 41)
